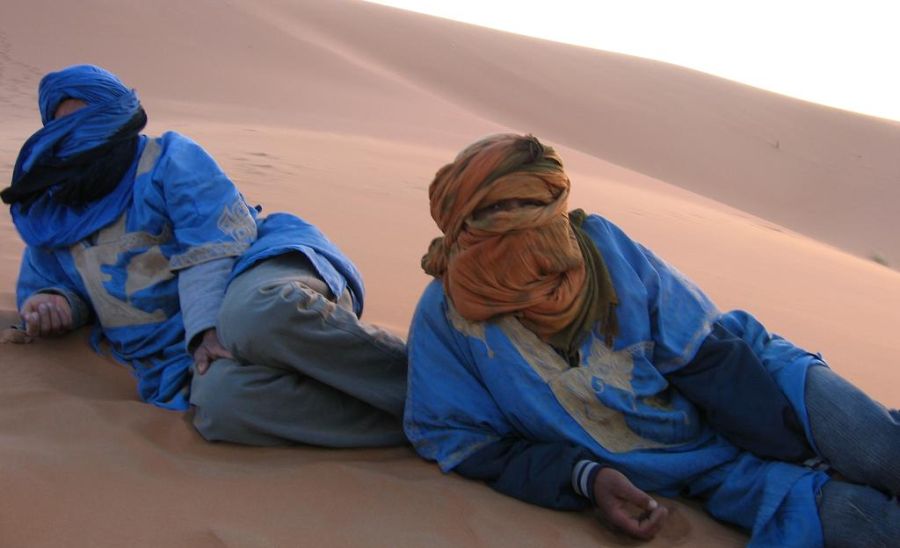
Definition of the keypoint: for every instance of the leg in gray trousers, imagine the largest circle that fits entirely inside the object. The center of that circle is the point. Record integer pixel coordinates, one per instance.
(306, 369)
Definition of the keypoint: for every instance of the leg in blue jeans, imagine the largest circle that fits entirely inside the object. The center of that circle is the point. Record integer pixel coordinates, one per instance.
(858, 436)
(858, 515)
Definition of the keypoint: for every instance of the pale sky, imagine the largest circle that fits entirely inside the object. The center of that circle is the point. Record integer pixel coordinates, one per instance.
(842, 53)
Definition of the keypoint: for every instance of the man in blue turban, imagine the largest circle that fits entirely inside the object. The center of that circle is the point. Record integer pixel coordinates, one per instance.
(254, 321)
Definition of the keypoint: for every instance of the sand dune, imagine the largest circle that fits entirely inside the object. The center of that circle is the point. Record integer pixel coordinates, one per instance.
(341, 112)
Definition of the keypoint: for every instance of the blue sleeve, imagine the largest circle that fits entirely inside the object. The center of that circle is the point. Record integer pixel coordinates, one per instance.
(681, 316)
(452, 418)
(210, 217)
(40, 272)
(201, 290)
(449, 413)
(542, 473)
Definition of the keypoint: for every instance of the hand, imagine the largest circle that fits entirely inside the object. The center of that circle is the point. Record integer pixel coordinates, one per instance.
(46, 314)
(209, 350)
(627, 507)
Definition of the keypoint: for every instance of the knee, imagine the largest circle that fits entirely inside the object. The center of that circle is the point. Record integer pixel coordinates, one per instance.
(216, 400)
(241, 319)
(889, 436)
(857, 515)
(886, 449)
(248, 320)
(880, 447)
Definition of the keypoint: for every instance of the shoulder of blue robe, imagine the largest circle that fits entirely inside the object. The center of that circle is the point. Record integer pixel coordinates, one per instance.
(280, 233)
(449, 414)
(210, 218)
(681, 315)
(182, 155)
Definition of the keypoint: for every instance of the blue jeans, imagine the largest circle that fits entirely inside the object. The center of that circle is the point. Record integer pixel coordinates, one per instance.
(860, 439)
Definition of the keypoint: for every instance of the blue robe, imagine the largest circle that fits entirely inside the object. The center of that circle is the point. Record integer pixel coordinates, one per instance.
(121, 255)
(474, 383)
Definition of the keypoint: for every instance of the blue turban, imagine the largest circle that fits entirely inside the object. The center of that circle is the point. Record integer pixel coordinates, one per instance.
(79, 157)
(110, 105)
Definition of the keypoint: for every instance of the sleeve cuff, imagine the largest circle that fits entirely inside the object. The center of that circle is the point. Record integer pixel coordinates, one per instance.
(201, 290)
(583, 475)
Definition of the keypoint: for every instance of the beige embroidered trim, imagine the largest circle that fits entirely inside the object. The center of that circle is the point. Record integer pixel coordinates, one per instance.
(574, 389)
(144, 270)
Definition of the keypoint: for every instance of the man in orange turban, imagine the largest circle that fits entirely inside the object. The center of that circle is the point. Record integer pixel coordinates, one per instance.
(565, 364)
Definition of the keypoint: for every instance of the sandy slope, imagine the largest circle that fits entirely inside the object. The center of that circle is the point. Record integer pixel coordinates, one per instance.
(341, 112)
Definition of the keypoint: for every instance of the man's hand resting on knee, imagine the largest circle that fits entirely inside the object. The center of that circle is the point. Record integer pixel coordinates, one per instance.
(209, 350)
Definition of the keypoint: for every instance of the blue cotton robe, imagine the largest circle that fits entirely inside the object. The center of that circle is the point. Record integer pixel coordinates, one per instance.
(473, 383)
(121, 256)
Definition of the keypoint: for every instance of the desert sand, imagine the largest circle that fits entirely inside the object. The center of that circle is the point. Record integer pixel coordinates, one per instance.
(341, 112)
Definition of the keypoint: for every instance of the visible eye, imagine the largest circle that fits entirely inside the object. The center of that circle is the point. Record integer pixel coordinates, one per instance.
(68, 106)
(507, 205)
(495, 207)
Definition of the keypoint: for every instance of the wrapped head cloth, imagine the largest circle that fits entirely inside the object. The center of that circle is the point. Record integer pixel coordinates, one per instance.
(509, 245)
(82, 156)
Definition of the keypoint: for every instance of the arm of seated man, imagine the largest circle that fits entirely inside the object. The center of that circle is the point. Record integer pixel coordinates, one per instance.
(201, 290)
(563, 476)
(51, 312)
(626, 507)
(48, 303)
(46, 314)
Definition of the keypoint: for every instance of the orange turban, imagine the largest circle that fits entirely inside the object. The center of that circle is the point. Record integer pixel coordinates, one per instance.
(508, 246)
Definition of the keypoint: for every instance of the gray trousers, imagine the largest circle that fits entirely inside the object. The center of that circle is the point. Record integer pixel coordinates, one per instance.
(305, 368)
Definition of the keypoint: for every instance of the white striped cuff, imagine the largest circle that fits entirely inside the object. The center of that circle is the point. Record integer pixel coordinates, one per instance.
(582, 474)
